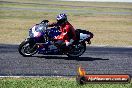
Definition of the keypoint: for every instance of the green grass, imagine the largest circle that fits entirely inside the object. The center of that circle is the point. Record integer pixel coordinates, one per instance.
(98, 4)
(53, 83)
(63, 7)
(112, 30)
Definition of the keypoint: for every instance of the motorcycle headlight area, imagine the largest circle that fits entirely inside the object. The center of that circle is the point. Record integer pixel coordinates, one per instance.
(40, 28)
(36, 30)
(33, 33)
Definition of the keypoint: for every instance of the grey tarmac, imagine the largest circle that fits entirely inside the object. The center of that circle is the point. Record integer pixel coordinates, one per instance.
(96, 60)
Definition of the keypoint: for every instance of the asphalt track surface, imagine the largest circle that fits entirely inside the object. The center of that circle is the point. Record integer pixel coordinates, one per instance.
(96, 60)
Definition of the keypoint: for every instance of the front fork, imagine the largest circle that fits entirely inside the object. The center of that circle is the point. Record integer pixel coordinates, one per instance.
(32, 44)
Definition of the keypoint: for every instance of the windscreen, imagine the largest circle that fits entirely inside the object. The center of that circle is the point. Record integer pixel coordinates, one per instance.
(40, 27)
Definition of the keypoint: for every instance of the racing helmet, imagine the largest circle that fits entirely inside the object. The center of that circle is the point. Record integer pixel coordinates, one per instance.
(61, 18)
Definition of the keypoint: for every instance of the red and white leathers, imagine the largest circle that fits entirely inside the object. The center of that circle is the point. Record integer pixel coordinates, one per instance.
(67, 35)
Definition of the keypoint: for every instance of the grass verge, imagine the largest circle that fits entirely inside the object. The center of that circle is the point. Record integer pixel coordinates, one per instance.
(53, 83)
(112, 30)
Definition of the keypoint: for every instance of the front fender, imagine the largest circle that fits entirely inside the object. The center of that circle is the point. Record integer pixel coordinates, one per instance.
(31, 41)
(27, 39)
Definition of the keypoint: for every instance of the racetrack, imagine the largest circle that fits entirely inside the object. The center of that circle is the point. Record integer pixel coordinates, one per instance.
(96, 60)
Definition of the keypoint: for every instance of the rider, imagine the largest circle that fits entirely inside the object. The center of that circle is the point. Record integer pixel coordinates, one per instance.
(67, 35)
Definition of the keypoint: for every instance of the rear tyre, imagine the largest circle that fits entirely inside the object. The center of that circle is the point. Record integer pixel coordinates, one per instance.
(77, 51)
(26, 50)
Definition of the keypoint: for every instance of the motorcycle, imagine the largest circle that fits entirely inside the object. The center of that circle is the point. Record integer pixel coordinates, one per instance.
(41, 41)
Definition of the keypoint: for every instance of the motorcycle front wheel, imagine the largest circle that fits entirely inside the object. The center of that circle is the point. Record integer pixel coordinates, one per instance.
(77, 50)
(26, 50)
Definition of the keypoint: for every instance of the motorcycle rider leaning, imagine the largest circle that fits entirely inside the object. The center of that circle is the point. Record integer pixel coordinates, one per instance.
(68, 35)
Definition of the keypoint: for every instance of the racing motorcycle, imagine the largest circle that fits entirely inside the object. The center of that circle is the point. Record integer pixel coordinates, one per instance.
(41, 41)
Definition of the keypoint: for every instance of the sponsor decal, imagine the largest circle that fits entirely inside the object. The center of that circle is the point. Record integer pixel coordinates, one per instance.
(83, 77)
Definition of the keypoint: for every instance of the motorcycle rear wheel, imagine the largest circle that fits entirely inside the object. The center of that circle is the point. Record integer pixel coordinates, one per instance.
(25, 49)
(77, 51)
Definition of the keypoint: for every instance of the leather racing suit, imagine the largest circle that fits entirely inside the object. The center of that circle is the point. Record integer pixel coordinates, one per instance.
(68, 35)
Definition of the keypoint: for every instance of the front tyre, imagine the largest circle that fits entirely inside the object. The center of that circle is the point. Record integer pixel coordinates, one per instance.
(25, 49)
(78, 50)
